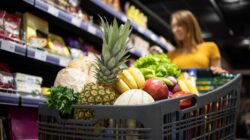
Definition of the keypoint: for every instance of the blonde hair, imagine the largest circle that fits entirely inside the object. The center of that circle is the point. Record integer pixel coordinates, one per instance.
(186, 19)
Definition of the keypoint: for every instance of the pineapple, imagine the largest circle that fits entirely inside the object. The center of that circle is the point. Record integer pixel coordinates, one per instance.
(108, 66)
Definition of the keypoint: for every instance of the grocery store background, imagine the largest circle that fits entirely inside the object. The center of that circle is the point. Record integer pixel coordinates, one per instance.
(227, 22)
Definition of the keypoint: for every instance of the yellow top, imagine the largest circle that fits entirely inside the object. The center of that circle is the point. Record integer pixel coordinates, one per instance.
(200, 58)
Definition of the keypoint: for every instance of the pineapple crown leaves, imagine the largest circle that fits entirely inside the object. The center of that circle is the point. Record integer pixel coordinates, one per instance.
(114, 40)
(114, 51)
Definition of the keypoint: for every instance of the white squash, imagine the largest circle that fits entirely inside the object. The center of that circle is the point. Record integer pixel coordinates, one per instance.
(134, 97)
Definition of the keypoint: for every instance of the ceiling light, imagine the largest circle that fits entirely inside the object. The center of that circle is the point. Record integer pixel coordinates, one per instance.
(245, 42)
(230, 1)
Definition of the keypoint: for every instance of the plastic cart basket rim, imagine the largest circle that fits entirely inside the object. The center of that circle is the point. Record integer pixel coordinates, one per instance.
(202, 100)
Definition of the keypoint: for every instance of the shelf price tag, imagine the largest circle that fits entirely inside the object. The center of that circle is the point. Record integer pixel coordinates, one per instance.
(124, 18)
(92, 29)
(76, 21)
(141, 29)
(8, 46)
(52, 10)
(64, 61)
(153, 37)
(40, 55)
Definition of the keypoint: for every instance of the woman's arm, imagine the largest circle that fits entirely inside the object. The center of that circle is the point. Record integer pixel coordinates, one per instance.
(216, 66)
(216, 62)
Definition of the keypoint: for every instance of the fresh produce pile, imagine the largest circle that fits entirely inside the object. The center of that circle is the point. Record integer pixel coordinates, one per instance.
(107, 82)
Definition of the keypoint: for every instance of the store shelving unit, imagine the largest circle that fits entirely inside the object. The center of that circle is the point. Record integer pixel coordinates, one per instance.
(146, 33)
(28, 100)
(9, 99)
(17, 47)
(88, 27)
(17, 98)
(39, 57)
(94, 29)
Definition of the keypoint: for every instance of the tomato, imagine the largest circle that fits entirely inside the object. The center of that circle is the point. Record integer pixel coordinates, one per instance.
(184, 103)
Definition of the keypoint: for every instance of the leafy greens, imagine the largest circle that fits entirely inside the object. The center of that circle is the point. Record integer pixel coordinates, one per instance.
(157, 66)
(62, 98)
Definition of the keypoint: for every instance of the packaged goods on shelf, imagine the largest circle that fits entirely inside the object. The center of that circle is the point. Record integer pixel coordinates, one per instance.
(4, 67)
(155, 50)
(61, 4)
(29, 79)
(10, 25)
(114, 3)
(45, 91)
(136, 15)
(57, 46)
(2, 14)
(76, 46)
(91, 48)
(28, 83)
(36, 30)
(139, 45)
(6, 80)
(70, 6)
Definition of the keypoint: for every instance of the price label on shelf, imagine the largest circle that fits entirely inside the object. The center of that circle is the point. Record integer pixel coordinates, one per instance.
(40, 55)
(141, 29)
(54, 11)
(7, 45)
(64, 61)
(92, 29)
(153, 37)
(76, 21)
(124, 18)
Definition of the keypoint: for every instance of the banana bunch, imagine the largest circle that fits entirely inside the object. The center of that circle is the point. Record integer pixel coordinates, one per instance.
(130, 78)
(187, 84)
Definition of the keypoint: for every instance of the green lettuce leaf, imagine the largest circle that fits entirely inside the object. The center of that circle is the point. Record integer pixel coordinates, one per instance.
(157, 66)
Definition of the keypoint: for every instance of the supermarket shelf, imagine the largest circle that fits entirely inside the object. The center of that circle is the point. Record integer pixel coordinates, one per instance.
(9, 99)
(46, 57)
(146, 32)
(13, 47)
(90, 28)
(14, 98)
(21, 49)
(30, 1)
(32, 100)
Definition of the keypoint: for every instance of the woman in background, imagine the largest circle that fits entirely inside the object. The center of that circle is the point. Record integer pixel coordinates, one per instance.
(191, 50)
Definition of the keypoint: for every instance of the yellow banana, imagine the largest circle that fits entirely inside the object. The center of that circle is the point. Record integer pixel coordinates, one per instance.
(121, 86)
(138, 76)
(128, 79)
(183, 86)
(191, 86)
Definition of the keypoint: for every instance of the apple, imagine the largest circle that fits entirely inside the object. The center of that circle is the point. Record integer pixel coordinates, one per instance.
(156, 88)
(184, 103)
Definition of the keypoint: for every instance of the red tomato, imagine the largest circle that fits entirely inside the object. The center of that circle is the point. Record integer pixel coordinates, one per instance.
(184, 103)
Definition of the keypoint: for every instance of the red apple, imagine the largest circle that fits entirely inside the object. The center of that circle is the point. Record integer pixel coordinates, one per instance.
(184, 103)
(156, 88)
